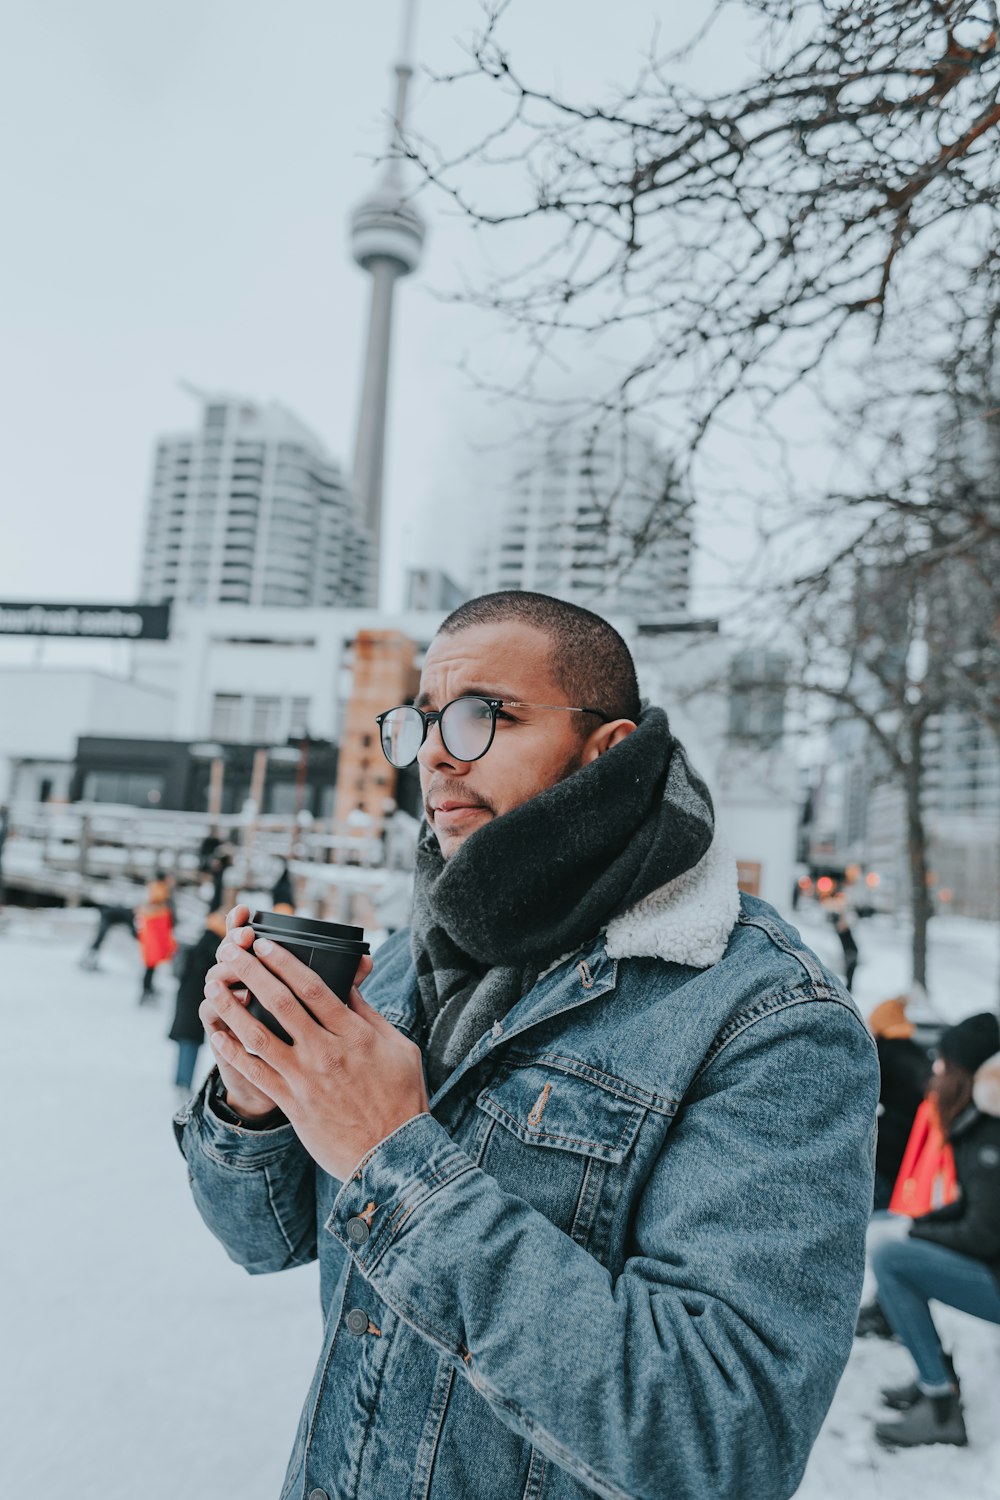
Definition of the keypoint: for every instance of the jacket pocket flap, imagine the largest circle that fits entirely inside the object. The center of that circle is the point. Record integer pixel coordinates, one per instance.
(547, 1108)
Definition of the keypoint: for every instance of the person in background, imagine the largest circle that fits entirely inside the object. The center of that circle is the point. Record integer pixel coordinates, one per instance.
(925, 1180)
(952, 1253)
(840, 917)
(110, 916)
(214, 858)
(186, 1029)
(155, 923)
(905, 1072)
(283, 892)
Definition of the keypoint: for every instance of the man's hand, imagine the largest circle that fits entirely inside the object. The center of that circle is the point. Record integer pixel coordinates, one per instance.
(349, 1079)
(248, 1102)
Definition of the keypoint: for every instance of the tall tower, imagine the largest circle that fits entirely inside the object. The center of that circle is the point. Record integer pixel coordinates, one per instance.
(387, 233)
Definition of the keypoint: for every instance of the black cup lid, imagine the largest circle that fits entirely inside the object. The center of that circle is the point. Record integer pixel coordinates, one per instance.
(301, 929)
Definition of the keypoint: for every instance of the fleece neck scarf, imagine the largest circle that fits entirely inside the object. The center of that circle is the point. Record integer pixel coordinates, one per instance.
(545, 879)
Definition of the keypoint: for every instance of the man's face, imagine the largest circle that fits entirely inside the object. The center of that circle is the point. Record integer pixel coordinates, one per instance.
(531, 750)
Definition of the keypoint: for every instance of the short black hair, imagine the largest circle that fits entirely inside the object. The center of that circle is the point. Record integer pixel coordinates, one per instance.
(592, 663)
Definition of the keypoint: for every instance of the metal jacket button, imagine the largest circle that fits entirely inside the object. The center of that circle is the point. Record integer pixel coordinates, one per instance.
(318, 1495)
(357, 1231)
(357, 1321)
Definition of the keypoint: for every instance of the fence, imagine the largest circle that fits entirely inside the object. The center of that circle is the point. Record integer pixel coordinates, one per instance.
(103, 854)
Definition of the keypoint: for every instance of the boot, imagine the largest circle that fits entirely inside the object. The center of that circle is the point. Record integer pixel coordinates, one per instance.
(931, 1419)
(89, 961)
(872, 1323)
(902, 1397)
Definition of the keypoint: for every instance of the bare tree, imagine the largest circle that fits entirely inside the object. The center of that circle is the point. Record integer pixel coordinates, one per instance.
(900, 627)
(723, 245)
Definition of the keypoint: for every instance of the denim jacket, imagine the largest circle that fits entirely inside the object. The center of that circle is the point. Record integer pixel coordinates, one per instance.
(621, 1255)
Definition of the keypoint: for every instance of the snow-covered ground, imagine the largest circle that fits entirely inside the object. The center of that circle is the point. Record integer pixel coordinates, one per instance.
(139, 1361)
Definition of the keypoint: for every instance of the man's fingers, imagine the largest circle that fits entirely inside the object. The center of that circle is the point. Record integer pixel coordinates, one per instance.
(241, 969)
(239, 916)
(329, 1009)
(247, 1029)
(249, 1065)
(365, 1012)
(241, 936)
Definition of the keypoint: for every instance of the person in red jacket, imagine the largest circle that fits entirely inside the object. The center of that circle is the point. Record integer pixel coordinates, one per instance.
(905, 1070)
(951, 1253)
(155, 923)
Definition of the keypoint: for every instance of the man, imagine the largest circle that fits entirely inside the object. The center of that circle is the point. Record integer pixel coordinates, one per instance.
(588, 1169)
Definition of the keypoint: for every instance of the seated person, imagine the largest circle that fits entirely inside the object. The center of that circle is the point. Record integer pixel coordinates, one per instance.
(952, 1253)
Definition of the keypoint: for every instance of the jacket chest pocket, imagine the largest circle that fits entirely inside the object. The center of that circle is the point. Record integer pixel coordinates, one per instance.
(562, 1144)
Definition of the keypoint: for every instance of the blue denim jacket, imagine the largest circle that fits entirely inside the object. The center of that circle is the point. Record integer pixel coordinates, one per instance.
(621, 1256)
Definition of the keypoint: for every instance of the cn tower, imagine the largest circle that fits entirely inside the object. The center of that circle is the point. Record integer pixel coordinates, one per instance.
(387, 234)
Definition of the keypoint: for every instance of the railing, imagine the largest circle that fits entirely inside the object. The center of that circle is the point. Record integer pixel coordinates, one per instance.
(104, 853)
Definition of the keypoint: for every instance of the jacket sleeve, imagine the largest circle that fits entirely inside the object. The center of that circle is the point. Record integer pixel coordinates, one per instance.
(255, 1189)
(706, 1367)
(972, 1224)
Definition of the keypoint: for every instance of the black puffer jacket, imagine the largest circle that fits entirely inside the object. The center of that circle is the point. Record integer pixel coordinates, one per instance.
(198, 960)
(971, 1225)
(905, 1069)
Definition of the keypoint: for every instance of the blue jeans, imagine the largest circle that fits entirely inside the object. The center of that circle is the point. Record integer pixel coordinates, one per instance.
(910, 1272)
(187, 1056)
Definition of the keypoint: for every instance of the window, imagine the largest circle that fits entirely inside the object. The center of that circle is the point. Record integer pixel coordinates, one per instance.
(227, 713)
(265, 719)
(299, 718)
(131, 788)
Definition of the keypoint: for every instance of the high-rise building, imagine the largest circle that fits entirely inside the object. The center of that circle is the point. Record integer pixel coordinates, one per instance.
(586, 523)
(250, 509)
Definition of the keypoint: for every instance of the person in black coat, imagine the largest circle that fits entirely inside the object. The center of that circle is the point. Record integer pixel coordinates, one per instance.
(187, 1030)
(283, 891)
(952, 1254)
(906, 1070)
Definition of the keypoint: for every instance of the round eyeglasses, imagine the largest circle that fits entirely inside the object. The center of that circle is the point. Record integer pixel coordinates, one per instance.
(466, 726)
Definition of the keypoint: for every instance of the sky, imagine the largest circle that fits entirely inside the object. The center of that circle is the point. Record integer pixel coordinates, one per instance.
(177, 186)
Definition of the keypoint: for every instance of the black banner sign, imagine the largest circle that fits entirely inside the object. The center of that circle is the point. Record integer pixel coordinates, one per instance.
(115, 622)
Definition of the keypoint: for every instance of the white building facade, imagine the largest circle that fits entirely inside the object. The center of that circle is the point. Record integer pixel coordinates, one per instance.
(249, 509)
(47, 709)
(599, 526)
(260, 675)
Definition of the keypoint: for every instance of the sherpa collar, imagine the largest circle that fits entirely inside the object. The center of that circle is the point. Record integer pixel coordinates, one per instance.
(688, 920)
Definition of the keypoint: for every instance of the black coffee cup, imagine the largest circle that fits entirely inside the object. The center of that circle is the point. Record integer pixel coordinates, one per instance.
(332, 950)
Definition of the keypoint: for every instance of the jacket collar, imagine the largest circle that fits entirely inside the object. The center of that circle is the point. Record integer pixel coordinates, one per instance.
(687, 921)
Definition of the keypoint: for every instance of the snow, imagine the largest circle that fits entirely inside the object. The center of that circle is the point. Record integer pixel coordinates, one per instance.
(141, 1360)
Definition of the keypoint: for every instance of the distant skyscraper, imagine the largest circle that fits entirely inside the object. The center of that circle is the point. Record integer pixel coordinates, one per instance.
(249, 509)
(387, 233)
(587, 525)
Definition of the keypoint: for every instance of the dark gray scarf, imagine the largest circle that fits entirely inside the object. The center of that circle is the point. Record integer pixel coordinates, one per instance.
(545, 879)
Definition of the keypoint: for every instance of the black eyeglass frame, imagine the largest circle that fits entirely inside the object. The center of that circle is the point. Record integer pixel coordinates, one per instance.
(434, 716)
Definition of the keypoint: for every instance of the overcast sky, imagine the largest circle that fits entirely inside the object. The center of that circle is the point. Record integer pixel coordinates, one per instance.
(177, 184)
